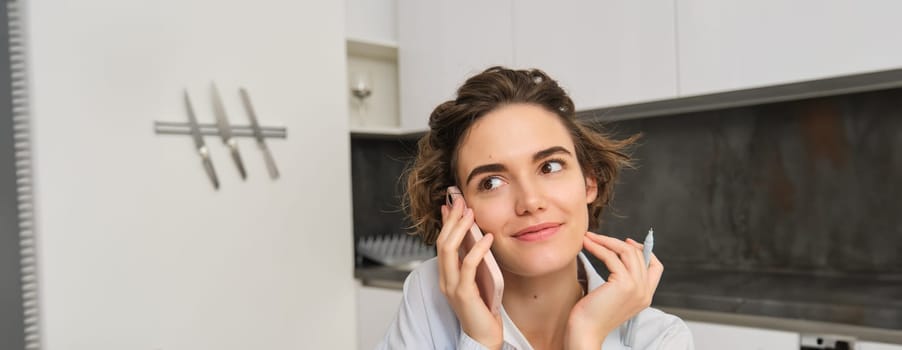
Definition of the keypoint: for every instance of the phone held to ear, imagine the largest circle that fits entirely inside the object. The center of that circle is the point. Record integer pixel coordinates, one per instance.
(488, 275)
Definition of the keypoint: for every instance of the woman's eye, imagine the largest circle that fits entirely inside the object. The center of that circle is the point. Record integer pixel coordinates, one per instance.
(552, 167)
(490, 183)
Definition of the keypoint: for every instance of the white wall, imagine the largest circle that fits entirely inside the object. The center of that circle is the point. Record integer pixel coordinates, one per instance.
(136, 251)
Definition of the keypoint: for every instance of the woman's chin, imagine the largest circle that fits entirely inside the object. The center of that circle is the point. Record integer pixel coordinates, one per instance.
(537, 261)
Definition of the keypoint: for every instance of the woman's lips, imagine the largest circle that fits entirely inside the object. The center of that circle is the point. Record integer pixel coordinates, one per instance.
(538, 232)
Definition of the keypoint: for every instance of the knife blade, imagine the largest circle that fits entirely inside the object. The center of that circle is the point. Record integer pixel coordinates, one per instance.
(225, 131)
(258, 134)
(199, 143)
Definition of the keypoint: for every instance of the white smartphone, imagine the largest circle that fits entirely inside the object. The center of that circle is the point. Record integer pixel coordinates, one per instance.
(488, 275)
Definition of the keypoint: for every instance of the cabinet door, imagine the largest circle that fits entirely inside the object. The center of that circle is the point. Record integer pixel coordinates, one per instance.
(734, 44)
(710, 336)
(376, 309)
(864, 345)
(603, 52)
(440, 44)
(372, 21)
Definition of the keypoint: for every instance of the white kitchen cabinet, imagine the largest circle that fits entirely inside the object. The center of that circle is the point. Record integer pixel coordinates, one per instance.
(866, 345)
(441, 43)
(373, 21)
(376, 309)
(603, 53)
(733, 44)
(710, 336)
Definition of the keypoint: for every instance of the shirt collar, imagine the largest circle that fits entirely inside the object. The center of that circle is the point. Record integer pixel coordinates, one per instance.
(594, 279)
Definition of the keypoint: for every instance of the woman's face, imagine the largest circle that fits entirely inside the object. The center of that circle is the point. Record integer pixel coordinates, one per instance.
(518, 171)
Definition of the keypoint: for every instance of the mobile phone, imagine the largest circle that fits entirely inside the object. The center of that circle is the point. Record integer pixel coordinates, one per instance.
(488, 275)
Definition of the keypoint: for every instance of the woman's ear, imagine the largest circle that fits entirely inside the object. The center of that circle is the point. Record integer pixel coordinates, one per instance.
(591, 189)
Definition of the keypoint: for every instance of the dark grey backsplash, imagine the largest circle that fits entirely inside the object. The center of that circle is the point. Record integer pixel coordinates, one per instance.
(811, 186)
(376, 185)
(805, 186)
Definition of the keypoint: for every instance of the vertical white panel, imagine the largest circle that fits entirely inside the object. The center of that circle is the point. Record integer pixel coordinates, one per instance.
(137, 250)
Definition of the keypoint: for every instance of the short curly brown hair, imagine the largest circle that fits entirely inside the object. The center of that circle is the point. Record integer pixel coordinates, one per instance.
(432, 171)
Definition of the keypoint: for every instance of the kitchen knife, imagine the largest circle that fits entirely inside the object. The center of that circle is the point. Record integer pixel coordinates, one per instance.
(225, 131)
(199, 143)
(258, 134)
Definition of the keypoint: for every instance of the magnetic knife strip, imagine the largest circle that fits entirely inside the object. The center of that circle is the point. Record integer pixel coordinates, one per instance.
(227, 132)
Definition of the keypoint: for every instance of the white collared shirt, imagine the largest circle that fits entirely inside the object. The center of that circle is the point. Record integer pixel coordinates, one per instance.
(425, 320)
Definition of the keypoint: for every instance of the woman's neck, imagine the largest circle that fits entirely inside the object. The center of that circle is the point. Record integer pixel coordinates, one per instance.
(540, 305)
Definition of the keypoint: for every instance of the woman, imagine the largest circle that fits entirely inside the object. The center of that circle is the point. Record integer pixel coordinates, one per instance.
(535, 180)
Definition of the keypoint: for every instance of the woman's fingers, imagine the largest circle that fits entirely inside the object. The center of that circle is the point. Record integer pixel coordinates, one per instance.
(633, 243)
(474, 257)
(655, 271)
(607, 256)
(642, 272)
(448, 269)
(452, 214)
(625, 258)
(453, 228)
(630, 255)
(457, 220)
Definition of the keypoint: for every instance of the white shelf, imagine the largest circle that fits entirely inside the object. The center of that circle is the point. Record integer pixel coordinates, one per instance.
(379, 49)
(384, 131)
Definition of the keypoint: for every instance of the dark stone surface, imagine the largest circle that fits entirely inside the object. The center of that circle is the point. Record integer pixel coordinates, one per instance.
(861, 301)
(811, 186)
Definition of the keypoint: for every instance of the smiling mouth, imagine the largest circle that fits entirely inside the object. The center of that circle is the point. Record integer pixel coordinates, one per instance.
(537, 233)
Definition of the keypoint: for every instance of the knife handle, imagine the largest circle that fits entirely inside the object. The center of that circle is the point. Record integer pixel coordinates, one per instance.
(233, 149)
(208, 166)
(270, 162)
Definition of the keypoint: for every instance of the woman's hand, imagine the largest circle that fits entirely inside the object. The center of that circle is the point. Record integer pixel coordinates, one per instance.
(457, 279)
(628, 290)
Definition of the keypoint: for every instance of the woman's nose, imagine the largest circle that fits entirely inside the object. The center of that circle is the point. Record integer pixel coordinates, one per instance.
(530, 199)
